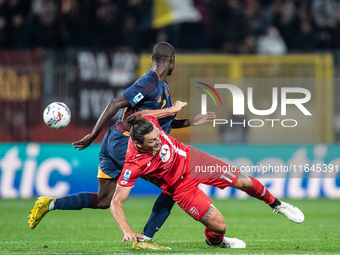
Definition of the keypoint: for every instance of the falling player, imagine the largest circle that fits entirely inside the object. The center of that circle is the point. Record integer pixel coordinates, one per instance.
(162, 160)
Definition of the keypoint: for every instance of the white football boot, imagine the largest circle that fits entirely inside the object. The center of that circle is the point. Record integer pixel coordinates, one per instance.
(293, 213)
(228, 243)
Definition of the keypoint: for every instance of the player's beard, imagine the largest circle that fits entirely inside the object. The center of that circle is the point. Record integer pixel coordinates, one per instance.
(170, 71)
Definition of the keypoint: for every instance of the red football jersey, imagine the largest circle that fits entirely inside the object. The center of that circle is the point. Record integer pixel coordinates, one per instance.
(165, 168)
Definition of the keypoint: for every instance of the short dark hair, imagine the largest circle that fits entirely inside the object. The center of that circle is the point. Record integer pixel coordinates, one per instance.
(139, 127)
(162, 50)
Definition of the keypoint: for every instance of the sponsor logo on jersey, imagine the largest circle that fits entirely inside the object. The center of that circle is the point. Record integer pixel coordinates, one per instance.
(164, 154)
(138, 97)
(123, 182)
(176, 149)
(194, 211)
(127, 174)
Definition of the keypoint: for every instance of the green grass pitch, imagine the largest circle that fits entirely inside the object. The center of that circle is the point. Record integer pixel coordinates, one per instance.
(95, 232)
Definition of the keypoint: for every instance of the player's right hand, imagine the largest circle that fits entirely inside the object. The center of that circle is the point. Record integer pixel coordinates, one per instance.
(83, 143)
(178, 105)
(131, 236)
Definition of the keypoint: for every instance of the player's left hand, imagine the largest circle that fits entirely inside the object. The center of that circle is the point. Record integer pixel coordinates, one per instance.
(131, 236)
(83, 143)
(200, 119)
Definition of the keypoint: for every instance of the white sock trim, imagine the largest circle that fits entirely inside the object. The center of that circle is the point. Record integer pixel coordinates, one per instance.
(146, 237)
(51, 205)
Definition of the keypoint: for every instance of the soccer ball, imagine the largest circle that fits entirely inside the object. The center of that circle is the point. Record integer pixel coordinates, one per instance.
(57, 115)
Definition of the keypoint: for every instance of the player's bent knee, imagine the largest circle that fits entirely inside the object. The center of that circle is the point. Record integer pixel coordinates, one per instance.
(247, 184)
(243, 184)
(214, 221)
(104, 202)
(102, 206)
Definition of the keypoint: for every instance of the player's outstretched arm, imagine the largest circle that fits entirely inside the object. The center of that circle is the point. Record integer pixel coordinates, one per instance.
(110, 110)
(198, 119)
(171, 111)
(116, 208)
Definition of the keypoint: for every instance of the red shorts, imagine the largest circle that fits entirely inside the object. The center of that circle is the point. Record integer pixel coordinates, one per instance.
(189, 196)
(193, 201)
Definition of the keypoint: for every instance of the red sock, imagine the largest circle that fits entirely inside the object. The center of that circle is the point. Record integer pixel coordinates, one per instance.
(94, 200)
(260, 192)
(212, 237)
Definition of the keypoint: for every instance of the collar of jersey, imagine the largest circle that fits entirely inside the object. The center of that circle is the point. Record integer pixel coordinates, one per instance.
(159, 77)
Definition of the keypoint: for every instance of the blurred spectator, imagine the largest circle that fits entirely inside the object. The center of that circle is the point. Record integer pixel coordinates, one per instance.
(15, 7)
(228, 26)
(325, 13)
(3, 32)
(286, 22)
(271, 43)
(3, 24)
(43, 28)
(18, 32)
(130, 35)
(326, 21)
(107, 25)
(248, 46)
(305, 38)
(180, 24)
(256, 21)
(76, 23)
(136, 19)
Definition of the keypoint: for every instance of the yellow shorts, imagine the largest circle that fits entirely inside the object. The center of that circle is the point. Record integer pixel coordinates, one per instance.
(102, 175)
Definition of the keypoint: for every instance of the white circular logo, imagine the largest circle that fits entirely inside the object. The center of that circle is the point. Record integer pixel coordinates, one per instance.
(164, 154)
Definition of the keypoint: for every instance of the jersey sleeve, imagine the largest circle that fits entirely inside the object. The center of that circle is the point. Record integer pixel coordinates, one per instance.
(141, 90)
(129, 175)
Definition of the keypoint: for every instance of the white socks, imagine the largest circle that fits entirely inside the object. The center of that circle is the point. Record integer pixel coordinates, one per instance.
(51, 205)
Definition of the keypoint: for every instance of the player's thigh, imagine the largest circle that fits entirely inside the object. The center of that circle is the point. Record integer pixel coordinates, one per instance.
(112, 154)
(109, 170)
(107, 186)
(243, 183)
(114, 146)
(210, 170)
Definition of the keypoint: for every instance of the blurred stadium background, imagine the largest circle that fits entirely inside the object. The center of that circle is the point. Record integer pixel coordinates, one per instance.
(86, 52)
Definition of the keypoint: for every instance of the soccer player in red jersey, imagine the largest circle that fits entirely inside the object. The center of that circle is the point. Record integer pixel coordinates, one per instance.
(171, 165)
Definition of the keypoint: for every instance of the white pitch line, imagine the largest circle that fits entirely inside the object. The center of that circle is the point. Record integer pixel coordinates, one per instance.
(261, 240)
(16, 242)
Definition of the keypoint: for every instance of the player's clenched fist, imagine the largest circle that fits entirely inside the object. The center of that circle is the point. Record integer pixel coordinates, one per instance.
(178, 105)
